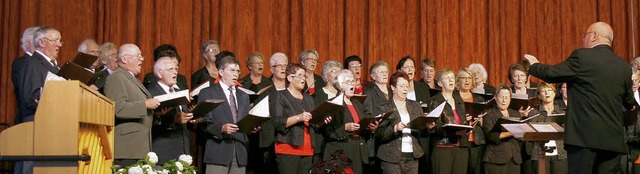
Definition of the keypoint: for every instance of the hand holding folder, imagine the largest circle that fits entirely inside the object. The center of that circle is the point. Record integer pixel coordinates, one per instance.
(421, 121)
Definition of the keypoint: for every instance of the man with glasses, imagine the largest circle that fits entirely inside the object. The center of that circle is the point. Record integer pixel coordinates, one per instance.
(47, 42)
(225, 149)
(598, 84)
(134, 107)
(170, 137)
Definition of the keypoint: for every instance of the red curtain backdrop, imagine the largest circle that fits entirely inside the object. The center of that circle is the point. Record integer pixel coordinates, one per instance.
(456, 33)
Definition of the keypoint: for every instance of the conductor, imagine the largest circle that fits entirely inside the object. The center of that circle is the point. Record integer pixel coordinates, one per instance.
(598, 84)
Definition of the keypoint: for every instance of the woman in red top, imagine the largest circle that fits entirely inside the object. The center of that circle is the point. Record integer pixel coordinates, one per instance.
(295, 136)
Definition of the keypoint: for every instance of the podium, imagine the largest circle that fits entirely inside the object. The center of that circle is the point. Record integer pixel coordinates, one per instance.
(72, 132)
(540, 132)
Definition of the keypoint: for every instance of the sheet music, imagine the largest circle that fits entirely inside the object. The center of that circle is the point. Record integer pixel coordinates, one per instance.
(53, 77)
(544, 128)
(197, 90)
(520, 96)
(338, 100)
(165, 97)
(261, 109)
(437, 111)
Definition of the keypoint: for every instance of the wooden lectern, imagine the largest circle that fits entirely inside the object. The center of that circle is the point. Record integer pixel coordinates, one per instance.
(72, 132)
(540, 132)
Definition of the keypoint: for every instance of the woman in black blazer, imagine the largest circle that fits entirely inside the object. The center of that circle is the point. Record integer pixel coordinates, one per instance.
(399, 149)
(296, 142)
(450, 148)
(502, 154)
(345, 132)
(466, 81)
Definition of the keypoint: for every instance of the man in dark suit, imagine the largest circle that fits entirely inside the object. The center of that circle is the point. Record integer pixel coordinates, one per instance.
(169, 134)
(225, 149)
(598, 83)
(47, 42)
(19, 63)
(108, 57)
(134, 107)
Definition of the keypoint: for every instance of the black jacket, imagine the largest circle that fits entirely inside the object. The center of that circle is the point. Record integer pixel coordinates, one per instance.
(598, 83)
(169, 138)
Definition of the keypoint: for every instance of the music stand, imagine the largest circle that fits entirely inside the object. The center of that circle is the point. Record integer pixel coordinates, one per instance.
(540, 132)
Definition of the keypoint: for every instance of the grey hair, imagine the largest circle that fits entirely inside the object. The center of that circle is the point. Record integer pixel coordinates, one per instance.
(272, 60)
(104, 51)
(27, 36)
(305, 53)
(341, 77)
(84, 45)
(40, 34)
(326, 68)
(160, 64)
(483, 71)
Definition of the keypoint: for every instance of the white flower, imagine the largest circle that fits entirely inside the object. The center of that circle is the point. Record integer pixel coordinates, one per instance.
(135, 170)
(153, 158)
(164, 171)
(151, 172)
(186, 158)
(120, 170)
(179, 165)
(147, 167)
(178, 172)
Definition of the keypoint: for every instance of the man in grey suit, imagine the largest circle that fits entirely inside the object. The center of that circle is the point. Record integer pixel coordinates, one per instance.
(598, 84)
(225, 149)
(134, 107)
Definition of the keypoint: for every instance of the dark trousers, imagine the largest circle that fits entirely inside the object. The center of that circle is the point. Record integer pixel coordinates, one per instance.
(407, 165)
(475, 159)
(588, 160)
(292, 164)
(450, 160)
(509, 167)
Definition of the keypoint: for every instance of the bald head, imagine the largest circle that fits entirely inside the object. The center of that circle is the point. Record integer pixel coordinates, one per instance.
(130, 58)
(598, 33)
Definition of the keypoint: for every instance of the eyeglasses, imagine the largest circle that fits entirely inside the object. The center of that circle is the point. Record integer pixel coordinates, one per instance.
(312, 60)
(350, 82)
(56, 42)
(301, 77)
(280, 66)
(233, 70)
(139, 56)
(211, 50)
(170, 69)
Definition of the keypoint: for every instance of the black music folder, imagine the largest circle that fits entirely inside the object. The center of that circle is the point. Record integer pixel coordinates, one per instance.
(257, 115)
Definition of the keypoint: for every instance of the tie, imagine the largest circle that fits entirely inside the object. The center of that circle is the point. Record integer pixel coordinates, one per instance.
(55, 64)
(172, 90)
(232, 104)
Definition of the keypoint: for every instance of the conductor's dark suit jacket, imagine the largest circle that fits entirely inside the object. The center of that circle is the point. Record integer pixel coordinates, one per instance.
(598, 83)
(169, 138)
(133, 120)
(220, 147)
(34, 74)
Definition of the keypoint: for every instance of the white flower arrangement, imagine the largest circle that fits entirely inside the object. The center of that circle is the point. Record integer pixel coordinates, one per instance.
(148, 166)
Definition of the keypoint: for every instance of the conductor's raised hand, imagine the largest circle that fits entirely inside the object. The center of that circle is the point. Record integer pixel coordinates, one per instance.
(229, 128)
(531, 59)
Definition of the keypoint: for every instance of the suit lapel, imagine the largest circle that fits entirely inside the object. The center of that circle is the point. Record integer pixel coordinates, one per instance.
(45, 63)
(136, 82)
(219, 93)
